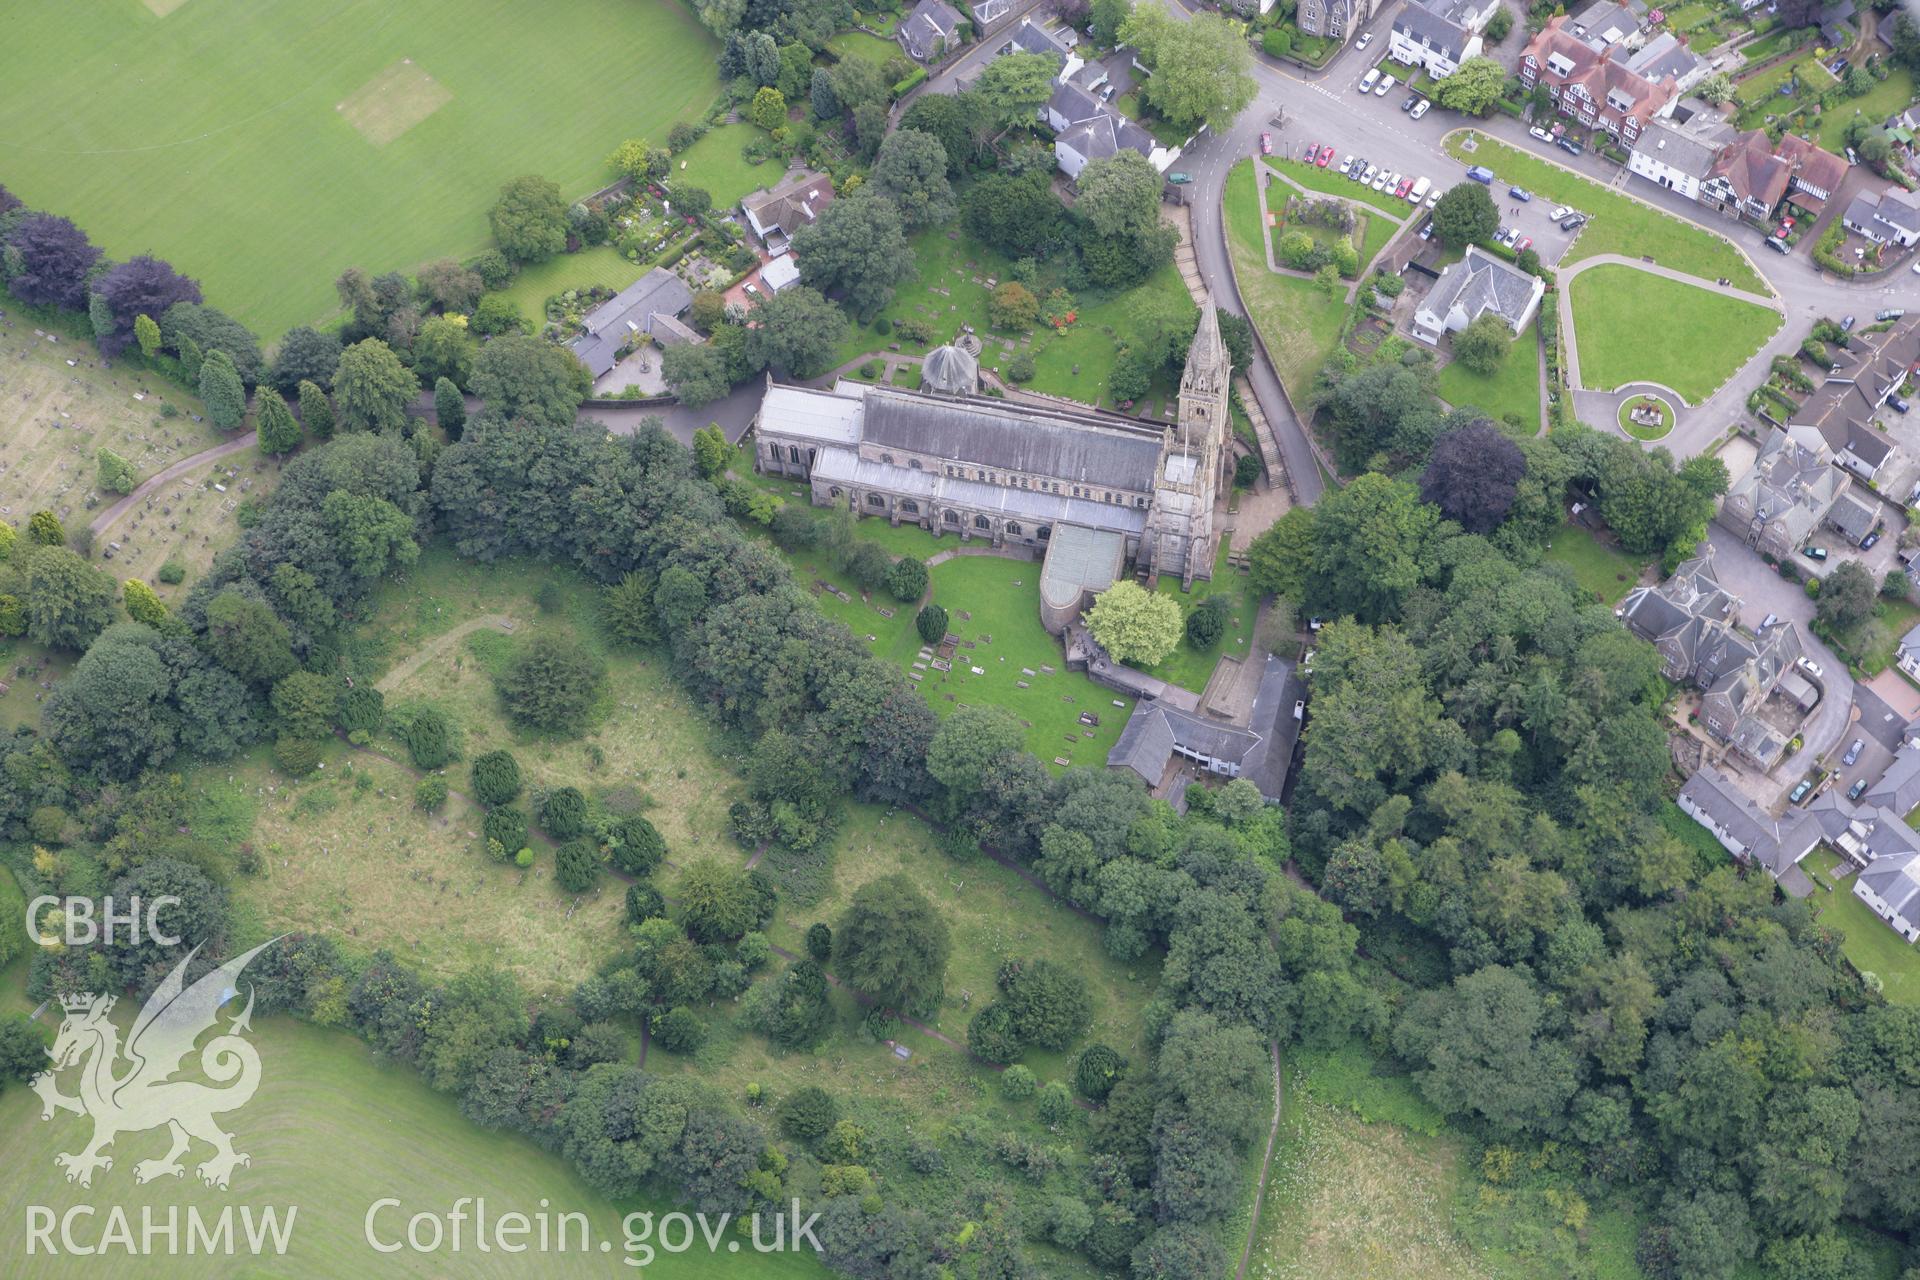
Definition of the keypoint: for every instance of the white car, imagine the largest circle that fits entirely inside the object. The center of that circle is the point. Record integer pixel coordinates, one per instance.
(1433, 199)
(1916, 268)
(1559, 211)
(1370, 79)
(1538, 132)
(1385, 86)
(1420, 108)
(1811, 667)
(1379, 183)
(1363, 41)
(1368, 176)
(1346, 163)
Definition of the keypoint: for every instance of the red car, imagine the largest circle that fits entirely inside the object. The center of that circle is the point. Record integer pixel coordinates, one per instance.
(1405, 185)
(1312, 152)
(1526, 242)
(1266, 144)
(1326, 156)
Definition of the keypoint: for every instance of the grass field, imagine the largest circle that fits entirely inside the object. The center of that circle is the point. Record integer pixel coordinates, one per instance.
(56, 416)
(1512, 388)
(858, 44)
(951, 290)
(1619, 223)
(1867, 941)
(330, 1131)
(264, 146)
(1635, 327)
(1606, 572)
(1299, 325)
(715, 164)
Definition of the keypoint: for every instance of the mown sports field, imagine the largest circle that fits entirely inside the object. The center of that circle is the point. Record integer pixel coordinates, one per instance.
(264, 145)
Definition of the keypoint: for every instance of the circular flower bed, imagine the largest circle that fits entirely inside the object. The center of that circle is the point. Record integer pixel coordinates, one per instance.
(1646, 417)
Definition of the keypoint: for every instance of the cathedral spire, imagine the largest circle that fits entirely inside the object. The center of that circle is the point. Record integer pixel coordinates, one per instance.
(1207, 353)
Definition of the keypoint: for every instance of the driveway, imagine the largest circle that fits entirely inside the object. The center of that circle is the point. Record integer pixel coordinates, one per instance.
(1762, 591)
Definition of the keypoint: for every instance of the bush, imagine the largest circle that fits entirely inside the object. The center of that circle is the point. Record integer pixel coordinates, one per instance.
(564, 815)
(496, 778)
(678, 1031)
(1056, 1104)
(645, 903)
(808, 1113)
(1018, 1082)
(883, 326)
(931, 623)
(1049, 1003)
(297, 757)
(506, 827)
(430, 794)
(1208, 622)
(1020, 368)
(819, 941)
(363, 710)
(428, 737)
(992, 1035)
(638, 846)
(1246, 471)
(550, 684)
(907, 579)
(1096, 1071)
(1277, 41)
(173, 573)
(576, 865)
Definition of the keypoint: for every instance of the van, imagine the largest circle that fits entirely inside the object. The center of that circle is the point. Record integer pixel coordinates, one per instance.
(1369, 80)
(1480, 173)
(1419, 191)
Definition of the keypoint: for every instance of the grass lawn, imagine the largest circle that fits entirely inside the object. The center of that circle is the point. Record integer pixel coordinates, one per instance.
(332, 1130)
(1884, 99)
(1512, 388)
(1870, 645)
(951, 290)
(858, 44)
(1687, 17)
(1757, 88)
(1619, 223)
(1869, 944)
(1330, 182)
(1189, 667)
(1636, 327)
(1605, 571)
(1299, 325)
(595, 265)
(715, 164)
(265, 145)
(1766, 46)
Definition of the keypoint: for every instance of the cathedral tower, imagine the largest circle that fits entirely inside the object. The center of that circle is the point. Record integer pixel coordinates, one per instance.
(1194, 456)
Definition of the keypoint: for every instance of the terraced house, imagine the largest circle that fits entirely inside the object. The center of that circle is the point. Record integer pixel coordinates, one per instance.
(1597, 87)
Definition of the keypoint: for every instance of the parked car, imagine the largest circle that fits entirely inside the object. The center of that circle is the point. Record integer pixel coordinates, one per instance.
(1426, 104)
(1800, 792)
(1365, 39)
(1380, 183)
(1313, 149)
(1778, 245)
(1891, 313)
(1266, 144)
(1406, 185)
(1368, 176)
(1858, 789)
(1814, 553)
(1480, 173)
(1326, 157)
(1559, 211)
(1916, 268)
(1433, 198)
(1846, 324)
(1179, 179)
(1769, 620)
(1809, 666)
(1867, 543)
(1853, 752)
(1356, 169)
(1419, 191)
(1407, 103)
(1520, 193)
(1385, 86)
(1426, 229)
(1541, 134)
(1346, 162)
(1369, 80)
(1106, 91)
(1567, 145)
(1899, 405)
(1523, 244)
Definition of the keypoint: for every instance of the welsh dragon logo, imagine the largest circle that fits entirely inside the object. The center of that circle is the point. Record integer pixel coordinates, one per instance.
(143, 1095)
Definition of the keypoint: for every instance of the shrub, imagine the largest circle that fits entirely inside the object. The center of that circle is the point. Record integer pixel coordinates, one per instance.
(523, 859)
(819, 941)
(564, 814)
(173, 573)
(428, 737)
(297, 757)
(931, 623)
(550, 684)
(1020, 368)
(678, 1031)
(496, 778)
(907, 579)
(992, 1035)
(808, 1112)
(1277, 41)
(1246, 471)
(645, 903)
(576, 865)
(638, 846)
(507, 827)
(1208, 622)
(1018, 1082)
(1049, 1003)
(1097, 1070)
(430, 794)
(363, 709)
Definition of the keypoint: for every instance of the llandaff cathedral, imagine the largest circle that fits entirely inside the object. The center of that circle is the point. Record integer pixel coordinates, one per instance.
(1004, 471)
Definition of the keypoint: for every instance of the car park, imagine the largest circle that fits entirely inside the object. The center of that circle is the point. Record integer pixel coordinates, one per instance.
(1853, 752)
(1385, 86)
(1520, 193)
(1425, 105)
(1857, 790)
(1814, 553)
(1369, 80)
(1541, 134)
(1800, 791)
(1567, 145)
(1266, 144)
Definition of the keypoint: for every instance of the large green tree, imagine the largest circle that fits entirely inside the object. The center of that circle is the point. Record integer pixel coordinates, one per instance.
(911, 168)
(1135, 625)
(372, 388)
(67, 601)
(529, 219)
(858, 248)
(1473, 88)
(1465, 215)
(797, 331)
(1485, 1048)
(891, 943)
(279, 430)
(1371, 541)
(220, 388)
(1202, 70)
(550, 684)
(1015, 86)
(519, 376)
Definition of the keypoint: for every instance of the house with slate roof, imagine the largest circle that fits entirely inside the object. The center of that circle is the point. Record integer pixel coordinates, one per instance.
(1907, 657)
(1890, 887)
(1160, 737)
(930, 31)
(1439, 34)
(1887, 217)
(649, 308)
(1845, 408)
(1679, 155)
(1477, 285)
(1743, 828)
(776, 213)
(1334, 20)
(1785, 496)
